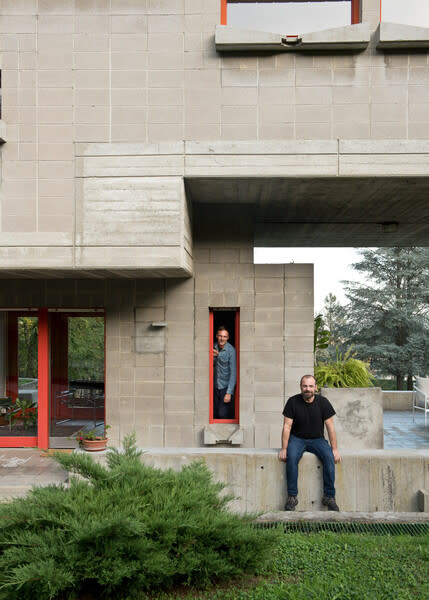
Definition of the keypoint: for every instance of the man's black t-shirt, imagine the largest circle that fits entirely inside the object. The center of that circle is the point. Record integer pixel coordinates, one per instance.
(308, 417)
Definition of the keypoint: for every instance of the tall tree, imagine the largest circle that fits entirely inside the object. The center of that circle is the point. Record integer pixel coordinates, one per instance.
(334, 315)
(388, 317)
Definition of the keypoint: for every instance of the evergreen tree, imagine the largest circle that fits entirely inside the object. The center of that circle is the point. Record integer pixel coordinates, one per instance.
(388, 317)
(334, 315)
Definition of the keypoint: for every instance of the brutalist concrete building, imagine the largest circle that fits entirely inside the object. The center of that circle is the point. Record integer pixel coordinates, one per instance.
(147, 147)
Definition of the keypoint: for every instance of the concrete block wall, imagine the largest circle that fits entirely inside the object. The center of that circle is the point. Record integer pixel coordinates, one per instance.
(157, 378)
(125, 72)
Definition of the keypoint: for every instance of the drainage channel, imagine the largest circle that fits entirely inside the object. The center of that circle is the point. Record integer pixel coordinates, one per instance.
(376, 523)
(412, 529)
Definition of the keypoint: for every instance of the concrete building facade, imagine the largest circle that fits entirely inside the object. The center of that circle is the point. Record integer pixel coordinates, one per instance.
(148, 147)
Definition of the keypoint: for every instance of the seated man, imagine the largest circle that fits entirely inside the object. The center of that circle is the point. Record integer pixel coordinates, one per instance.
(305, 416)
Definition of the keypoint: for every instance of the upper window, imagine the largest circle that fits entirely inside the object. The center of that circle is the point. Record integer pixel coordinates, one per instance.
(411, 12)
(289, 17)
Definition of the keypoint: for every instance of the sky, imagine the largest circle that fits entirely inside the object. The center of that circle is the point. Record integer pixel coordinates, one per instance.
(331, 265)
(289, 18)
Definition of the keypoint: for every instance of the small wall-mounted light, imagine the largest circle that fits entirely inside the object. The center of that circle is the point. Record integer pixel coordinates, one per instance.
(389, 226)
(159, 324)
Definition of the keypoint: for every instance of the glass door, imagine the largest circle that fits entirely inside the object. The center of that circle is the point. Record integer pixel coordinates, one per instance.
(76, 376)
(19, 389)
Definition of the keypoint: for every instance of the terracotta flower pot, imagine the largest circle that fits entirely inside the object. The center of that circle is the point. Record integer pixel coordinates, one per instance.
(94, 445)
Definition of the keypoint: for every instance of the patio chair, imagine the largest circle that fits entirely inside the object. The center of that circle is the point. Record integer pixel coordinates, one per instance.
(421, 396)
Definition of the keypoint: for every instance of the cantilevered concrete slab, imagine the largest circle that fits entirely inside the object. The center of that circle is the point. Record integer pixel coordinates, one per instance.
(350, 37)
(395, 35)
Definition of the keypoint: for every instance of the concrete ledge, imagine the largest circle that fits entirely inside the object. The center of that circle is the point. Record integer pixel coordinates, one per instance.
(351, 37)
(395, 35)
(397, 400)
(223, 434)
(366, 480)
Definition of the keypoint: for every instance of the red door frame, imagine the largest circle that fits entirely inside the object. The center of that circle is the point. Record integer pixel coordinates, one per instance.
(41, 440)
(355, 7)
(43, 372)
(211, 368)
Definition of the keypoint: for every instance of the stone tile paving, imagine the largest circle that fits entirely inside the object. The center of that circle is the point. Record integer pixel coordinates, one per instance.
(400, 431)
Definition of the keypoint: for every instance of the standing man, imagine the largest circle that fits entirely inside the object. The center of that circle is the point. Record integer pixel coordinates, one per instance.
(305, 416)
(225, 375)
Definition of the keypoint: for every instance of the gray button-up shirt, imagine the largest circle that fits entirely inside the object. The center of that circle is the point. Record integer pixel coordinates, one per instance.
(225, 374)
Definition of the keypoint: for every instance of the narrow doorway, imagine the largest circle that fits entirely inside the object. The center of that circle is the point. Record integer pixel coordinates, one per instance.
(228, 318)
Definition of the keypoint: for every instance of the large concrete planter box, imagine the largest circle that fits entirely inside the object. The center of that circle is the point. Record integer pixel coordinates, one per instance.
(359, 419)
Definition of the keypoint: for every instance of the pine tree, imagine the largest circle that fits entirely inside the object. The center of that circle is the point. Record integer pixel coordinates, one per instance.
(388, 317)
(334, 315)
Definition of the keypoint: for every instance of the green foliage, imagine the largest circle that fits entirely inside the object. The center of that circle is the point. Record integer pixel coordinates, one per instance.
(332, 566)
(126, 528)
(27, 346)
(388, 316)
(86, 348)
(344, 372)
(24, 411)
(321, 335)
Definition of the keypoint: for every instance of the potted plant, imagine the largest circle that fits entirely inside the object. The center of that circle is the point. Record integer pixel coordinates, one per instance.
(91, 441)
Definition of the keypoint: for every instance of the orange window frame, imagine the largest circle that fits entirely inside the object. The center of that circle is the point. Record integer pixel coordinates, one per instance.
(355, 8)
(236, 420)
(44, 382)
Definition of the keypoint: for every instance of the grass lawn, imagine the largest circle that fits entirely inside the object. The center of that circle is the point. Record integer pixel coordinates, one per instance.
(332, 566)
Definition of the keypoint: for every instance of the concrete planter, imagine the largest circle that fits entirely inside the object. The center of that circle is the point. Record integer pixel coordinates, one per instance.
(359, 419)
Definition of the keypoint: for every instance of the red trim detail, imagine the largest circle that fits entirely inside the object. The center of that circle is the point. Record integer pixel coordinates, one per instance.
(211, 370)
(223, 11)
(237, 352)
(43, 376)
(19, 442)
(356, 11)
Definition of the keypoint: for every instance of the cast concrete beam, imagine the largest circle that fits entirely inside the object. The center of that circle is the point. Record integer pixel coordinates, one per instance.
(395, 35)
(350, 37)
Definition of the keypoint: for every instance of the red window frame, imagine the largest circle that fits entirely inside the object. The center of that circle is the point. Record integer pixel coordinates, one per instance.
(44, 380)
(355, 8)
(211, 369)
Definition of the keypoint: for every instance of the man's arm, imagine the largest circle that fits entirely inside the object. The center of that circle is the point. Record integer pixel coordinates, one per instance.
(232, 376)
(333, 438)
(287, 426)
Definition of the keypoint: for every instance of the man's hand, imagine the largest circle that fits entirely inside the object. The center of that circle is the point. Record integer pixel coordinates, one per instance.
(283, 454)
(337, 456)
(215, 353)
(227, 398)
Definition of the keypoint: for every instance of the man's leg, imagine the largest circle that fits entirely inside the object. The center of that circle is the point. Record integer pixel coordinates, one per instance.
(295, 450)
(222, 409)
(323, 451)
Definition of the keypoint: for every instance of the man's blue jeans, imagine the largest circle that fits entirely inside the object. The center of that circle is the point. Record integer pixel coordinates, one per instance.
(223, 410)
(319, 447)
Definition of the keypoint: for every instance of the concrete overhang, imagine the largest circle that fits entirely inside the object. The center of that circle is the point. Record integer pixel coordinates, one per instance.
(322, 211)
(79, 273)
(350, 37)
(318, 193)
(395, 35)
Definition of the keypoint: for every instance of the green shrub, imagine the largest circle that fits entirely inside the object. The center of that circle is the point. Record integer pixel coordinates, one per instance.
(126, 528)
(344, 372)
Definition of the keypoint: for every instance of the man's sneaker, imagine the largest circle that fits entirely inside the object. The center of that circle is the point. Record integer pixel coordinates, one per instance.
(330, 503)
(291, 502)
